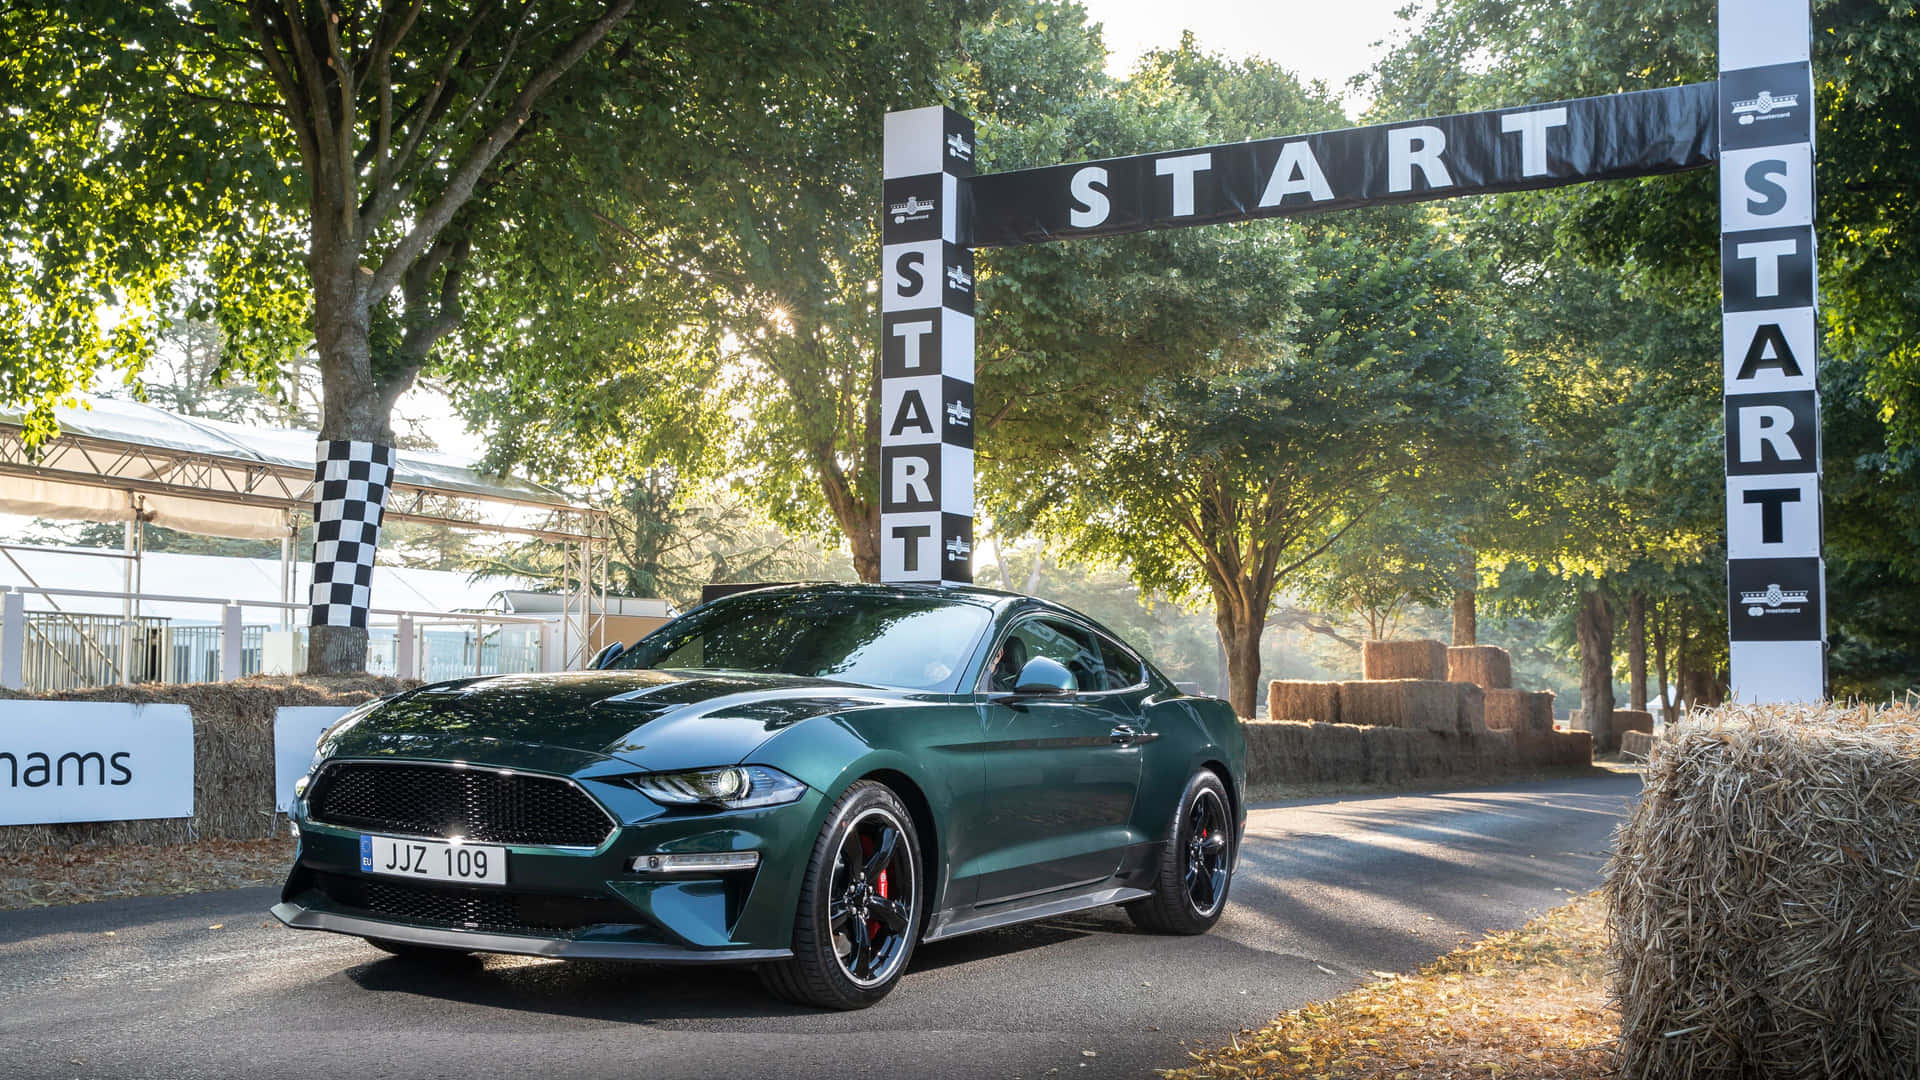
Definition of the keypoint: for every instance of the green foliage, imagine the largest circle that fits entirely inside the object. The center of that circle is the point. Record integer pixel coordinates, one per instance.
(1404, 554)
(129, 203)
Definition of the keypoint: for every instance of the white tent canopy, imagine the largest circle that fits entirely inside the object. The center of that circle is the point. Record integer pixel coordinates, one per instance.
(115, 458)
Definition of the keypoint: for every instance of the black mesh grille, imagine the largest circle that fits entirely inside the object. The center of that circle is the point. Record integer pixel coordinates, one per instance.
(440, 800)
(471, 908)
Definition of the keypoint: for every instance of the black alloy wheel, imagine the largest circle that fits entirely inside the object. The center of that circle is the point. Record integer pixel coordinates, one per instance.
(1206, 870)
(871, 898)
(1196, 863)
(861, 906)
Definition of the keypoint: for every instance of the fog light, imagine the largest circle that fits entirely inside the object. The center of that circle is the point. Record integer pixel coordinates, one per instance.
(696, 862)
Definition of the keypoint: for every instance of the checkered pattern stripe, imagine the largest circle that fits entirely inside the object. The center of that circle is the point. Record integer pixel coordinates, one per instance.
(350, 481)
(926, 353)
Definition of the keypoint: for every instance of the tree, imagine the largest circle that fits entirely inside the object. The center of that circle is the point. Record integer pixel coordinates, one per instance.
(398, 142)
(1219, 488)
(750, 352)
(1401, 554)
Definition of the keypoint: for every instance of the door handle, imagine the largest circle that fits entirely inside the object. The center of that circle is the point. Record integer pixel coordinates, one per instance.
(1124, 735)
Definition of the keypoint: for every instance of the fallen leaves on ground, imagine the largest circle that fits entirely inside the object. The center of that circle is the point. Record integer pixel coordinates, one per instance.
(82, 874)
(1528, 1004)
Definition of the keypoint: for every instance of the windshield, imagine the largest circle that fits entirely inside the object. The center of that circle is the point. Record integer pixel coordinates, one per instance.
(911, 642)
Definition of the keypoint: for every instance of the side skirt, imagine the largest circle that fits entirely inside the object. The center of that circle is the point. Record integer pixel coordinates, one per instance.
(948, 924)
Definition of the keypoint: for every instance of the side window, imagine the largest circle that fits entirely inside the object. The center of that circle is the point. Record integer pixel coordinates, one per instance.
(1066, 644)
(1122, 669)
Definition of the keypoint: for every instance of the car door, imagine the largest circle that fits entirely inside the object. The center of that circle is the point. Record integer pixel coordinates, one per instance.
(1060, 772)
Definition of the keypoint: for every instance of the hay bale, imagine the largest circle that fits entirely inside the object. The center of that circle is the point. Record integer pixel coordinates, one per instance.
(1487, 666)
(1553, 749)
(1421, 704)
(1625, 720)
(1509, 710)
(1303, 699)
(1764, 894)
(1637, 744)
(1403, 660)
(1470, 717)
(232, 757)
(1541, 718)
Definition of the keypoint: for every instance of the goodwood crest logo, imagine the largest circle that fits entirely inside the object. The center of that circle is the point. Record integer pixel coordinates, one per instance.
(1774, 601)
(958, 146)
(914, 209)
(959, 278)
(958, 550)
(1765, 106)
(959, 414)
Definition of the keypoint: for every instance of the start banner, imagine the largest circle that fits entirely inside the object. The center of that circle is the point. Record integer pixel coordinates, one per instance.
(1532, 146)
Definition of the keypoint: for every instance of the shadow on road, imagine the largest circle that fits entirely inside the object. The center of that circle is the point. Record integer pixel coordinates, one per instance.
(627, 992)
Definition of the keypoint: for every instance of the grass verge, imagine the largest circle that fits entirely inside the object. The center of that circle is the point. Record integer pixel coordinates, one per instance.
(1528, 1004)
(82, 874)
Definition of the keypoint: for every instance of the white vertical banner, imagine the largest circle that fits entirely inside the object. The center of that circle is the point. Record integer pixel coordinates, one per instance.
(926, 351)
(296, 730)
(1776, 583)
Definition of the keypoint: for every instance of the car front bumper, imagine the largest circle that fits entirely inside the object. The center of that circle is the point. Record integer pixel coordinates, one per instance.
(577, 902)
(301, 918)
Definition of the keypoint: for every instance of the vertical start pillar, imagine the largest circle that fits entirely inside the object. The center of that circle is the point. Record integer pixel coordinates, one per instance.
(926, 350)
(1776, 581)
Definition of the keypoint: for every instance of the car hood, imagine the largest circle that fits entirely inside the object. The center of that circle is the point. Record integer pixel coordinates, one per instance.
(568, 722)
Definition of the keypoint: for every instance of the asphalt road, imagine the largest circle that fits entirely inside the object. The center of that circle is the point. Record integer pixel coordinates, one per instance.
(1328, 890)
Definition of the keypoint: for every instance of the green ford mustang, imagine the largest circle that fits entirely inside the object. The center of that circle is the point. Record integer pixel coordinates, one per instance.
(806, 779)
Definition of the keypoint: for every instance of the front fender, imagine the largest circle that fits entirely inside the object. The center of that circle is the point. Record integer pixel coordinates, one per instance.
(925, 748)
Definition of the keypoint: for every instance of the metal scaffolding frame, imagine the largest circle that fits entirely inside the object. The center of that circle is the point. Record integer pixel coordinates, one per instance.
(261, 482)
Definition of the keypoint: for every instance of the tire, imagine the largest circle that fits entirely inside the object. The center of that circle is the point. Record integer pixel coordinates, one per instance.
(859, 915)
(422, 953)
(1196, 865)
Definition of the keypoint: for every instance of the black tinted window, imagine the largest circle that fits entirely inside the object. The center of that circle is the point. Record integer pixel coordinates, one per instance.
(918, 643)
(1123, 670)
(1055, 640)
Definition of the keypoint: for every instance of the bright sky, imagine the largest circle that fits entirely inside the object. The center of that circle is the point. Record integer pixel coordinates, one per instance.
(1328, 40)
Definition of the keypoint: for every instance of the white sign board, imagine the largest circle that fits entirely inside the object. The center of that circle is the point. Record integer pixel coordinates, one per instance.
(295, 729)
(66, 761)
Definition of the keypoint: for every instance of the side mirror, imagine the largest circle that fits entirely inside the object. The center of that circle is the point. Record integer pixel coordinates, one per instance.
(606, 656)
(1044, 677)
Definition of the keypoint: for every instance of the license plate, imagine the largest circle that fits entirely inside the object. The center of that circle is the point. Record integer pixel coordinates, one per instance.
(433, 860)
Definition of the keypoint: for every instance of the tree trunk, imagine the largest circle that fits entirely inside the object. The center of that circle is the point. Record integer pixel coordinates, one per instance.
(1240, 639)
(1465, 628)
(1660, 661)
(1682, 682)
(1636, 650)
(1594, 626)
(859, 520)
(1466, 621)
(350, 410)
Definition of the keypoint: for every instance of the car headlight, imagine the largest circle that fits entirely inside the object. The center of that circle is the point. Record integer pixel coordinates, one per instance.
(735, 787)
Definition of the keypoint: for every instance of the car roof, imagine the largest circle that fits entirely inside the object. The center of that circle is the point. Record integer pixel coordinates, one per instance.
(997, 599)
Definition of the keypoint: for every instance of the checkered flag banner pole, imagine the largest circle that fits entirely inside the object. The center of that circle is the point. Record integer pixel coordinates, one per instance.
(350, 480)
(926, 351)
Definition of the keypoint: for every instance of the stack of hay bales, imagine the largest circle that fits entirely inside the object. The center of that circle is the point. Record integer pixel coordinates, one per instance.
(1303, 700)
(1487, 666)
(1419, 704)
(1764, 898)
(1403, 660)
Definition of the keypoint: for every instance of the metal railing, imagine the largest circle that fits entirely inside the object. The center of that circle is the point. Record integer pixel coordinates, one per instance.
(47, 648)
